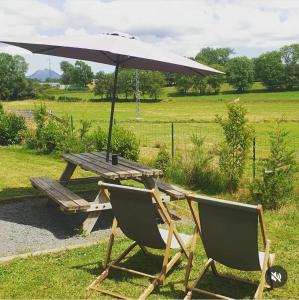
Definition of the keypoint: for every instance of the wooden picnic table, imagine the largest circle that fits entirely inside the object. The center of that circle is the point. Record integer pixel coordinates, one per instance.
(96, 163)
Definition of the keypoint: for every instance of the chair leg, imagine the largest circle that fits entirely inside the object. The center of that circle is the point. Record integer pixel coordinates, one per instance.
(260, 289)
(110, 244)
(190, 260)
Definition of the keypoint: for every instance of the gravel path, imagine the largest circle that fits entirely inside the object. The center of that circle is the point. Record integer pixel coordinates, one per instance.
(32, 225)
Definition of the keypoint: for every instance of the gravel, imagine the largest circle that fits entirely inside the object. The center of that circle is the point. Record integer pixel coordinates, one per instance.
(33, 225)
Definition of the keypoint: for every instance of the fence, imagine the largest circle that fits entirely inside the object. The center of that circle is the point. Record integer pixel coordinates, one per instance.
(176, 137)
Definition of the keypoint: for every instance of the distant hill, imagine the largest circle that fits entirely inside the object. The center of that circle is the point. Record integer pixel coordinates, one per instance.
(42, 75)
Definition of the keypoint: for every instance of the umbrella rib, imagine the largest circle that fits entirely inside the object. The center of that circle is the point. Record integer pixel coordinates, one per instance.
(47, 49)
(105, 54)
(126, 59)
(195, 71)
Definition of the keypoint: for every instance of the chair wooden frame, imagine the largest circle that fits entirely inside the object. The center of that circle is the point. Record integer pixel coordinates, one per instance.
(211, 263)
(167, 265)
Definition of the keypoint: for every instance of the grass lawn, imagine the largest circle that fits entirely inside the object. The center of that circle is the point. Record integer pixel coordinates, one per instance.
(67, 274)
(153, 131)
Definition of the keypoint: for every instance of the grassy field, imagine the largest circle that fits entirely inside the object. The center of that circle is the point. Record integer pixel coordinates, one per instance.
(67, 274)
(154, 130)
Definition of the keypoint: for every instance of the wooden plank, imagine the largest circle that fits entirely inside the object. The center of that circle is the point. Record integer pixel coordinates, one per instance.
(59, 198)
(68, 172)
(90, 167)
(122, 171)
(146, 171)
(60, 194)
(143, 169)
(69, 194)
(107, 168)
(171, 190)
(63, 201)
(117, 167)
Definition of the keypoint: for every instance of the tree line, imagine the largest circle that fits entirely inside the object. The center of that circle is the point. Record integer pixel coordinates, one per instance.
(276, 70)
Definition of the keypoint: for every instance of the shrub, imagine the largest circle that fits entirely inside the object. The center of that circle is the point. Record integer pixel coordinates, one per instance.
(50, 136)
(234, 150)
(163, 160)
(197, 169)
(276, 186)
(124, 142)
(12, 128)
(68, 99)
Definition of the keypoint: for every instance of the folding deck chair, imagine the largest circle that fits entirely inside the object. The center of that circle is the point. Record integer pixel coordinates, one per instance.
(135, 212)
(229, 232)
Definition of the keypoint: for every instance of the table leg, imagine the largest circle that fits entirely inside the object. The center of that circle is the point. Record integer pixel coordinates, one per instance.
(149, 182)
(68, 172)
(93, 216)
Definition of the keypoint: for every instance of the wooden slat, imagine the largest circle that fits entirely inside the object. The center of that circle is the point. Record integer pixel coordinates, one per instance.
(102, 158)
(60, 194)
(121, 170)
(147, 171)
(52, 193)
(68, 193)
(171, 190)
(143, 169)
(90, 167)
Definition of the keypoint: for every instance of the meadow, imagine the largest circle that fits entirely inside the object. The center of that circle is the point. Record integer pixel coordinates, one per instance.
(67, 274)
(190, 114)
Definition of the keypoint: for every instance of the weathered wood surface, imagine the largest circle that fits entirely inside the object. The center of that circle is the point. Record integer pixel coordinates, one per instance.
(171, 190)
(68, 200)
(96, 163)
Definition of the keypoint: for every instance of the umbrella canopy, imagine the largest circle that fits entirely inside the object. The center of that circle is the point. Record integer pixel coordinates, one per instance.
(120, 50)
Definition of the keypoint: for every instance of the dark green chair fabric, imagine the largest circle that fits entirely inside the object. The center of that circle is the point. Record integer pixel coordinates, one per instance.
(230, 232)
(136, 215)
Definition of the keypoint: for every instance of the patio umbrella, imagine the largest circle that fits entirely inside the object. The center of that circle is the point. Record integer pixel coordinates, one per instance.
(120, 50)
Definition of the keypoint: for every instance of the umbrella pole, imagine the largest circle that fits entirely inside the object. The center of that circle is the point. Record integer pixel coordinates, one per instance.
(112, 111)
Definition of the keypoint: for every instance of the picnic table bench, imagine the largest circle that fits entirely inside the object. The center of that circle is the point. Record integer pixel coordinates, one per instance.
(95, 162)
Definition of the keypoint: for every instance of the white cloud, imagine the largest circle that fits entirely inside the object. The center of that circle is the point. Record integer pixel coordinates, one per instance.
(181, 26)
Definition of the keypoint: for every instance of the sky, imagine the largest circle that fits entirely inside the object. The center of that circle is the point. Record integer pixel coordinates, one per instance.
(184, 27)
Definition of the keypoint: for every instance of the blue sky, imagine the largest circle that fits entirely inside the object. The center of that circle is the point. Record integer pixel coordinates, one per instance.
(250, 27)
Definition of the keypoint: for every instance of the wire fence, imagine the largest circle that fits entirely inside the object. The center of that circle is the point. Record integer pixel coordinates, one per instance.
(177, 138)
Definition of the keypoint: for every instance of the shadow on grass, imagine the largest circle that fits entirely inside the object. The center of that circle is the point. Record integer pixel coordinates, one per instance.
(171, 289)
(214, 284)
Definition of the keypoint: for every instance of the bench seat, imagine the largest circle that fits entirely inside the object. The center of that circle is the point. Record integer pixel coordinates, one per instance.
(173, 191)
(67, 200)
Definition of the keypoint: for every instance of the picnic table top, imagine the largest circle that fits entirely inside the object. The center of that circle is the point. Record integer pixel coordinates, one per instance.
(96, 162)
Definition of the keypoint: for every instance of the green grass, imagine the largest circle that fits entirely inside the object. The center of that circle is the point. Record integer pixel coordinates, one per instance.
(153, 130)
(67, 274)
(262, 107)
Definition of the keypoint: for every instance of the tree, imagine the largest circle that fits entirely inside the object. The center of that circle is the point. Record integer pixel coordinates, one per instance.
(215, 81)
(240, 73)
(82, 75)
(290, 57)
(210, 56)
(234, 150)
(12, 76)
(78, 75)
(156, 82)
(269, 69)
(126, 82)
(276, 186)
(100, 88)
(183, 83)
(67, 75)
